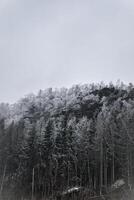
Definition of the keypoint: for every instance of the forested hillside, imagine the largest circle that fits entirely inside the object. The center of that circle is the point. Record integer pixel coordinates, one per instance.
(82, 136)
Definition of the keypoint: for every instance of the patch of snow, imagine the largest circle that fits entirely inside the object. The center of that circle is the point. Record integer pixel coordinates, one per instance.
(119, 183)
(73, 189)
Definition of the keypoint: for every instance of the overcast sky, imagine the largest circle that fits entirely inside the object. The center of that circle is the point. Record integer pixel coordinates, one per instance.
(55, 43)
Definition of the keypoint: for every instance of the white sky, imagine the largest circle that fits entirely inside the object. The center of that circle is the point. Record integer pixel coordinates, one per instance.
(55, 43)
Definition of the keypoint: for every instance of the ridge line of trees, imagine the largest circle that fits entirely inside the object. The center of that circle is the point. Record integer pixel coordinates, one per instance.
(58, 139)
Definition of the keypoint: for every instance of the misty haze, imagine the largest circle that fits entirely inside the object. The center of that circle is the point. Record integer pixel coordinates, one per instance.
(67, 100)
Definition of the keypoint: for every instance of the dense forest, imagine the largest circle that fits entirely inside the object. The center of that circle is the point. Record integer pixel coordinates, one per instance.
(61, 138)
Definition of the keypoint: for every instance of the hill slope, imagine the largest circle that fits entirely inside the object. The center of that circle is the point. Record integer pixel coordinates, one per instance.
(62, 138)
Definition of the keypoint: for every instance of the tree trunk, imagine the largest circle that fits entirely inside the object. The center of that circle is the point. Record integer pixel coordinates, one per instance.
(105, 168)
(101, 165)
(33, 184)
(2, 182)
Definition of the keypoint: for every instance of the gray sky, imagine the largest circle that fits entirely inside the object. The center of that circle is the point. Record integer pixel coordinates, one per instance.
(55, 43)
